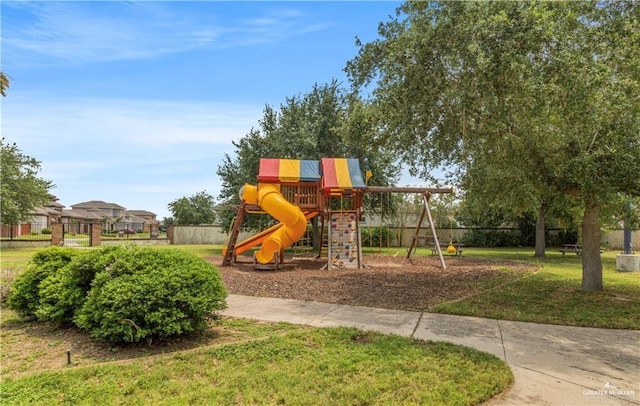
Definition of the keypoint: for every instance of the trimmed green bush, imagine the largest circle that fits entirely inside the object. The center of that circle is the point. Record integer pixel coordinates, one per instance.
(65, 291)
(24, 297)
(46, 230)
(120, 294)
(148, 294)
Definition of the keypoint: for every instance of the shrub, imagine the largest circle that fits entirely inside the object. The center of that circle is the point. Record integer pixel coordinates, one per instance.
(24, 297)
(63, 293)
(492, 238)
(149, 294)
(46, 230)
(376, 236)
(120, 294)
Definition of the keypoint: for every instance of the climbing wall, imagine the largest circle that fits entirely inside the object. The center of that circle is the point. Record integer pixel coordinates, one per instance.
(344, 241)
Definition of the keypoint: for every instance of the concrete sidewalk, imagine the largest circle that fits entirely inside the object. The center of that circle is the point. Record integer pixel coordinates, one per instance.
(552, 365)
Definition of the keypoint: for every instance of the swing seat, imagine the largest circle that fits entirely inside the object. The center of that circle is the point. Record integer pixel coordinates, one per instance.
(451, 249)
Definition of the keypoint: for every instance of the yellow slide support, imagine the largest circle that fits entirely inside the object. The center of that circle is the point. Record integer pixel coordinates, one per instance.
(294, 221)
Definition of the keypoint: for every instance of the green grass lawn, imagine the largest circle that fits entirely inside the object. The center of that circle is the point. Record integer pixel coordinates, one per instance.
(279, 364)
(12, 262)
(553, 295)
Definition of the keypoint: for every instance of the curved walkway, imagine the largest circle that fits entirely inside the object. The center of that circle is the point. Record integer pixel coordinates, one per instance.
(552, 365)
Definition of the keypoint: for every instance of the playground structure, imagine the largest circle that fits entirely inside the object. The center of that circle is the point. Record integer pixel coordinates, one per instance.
(293, 192)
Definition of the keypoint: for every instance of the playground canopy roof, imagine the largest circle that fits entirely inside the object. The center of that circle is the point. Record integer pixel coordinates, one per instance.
(341, 174)
(288, 170)
(337, 174)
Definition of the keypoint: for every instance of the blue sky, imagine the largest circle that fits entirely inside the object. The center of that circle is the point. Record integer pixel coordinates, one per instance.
(135, 103)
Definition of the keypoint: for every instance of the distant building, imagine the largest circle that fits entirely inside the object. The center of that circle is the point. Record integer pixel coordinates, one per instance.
(142, 220)
(43, 217)
(115, 217)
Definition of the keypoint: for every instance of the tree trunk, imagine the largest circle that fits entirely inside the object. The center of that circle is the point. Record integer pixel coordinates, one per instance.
(541, 224)
(316, 241)
(591, 261)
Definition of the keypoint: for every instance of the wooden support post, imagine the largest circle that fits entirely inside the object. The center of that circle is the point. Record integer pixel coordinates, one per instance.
(229, 253)
(433, 229)
(414, 241)
(322, 225)
(426, 210)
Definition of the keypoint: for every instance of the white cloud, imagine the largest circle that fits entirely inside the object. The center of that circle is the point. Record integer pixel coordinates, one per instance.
(115, 124)
(138, 153)
(73, 33)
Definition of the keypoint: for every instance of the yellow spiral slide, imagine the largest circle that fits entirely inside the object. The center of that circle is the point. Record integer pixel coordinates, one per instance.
(269, 198)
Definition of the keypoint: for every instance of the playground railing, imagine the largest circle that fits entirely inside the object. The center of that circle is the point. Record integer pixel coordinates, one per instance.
(303, 195)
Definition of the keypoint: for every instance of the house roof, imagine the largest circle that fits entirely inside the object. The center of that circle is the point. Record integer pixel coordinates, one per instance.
(56, 205)
(53, 208)
(44, 211)
(96, 204)
(139, 213)
(135, 219)
(81, 214)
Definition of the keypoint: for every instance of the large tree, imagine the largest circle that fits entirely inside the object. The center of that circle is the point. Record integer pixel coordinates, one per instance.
(193, 210)
(22, 190)
(539, 101)
(325, 122)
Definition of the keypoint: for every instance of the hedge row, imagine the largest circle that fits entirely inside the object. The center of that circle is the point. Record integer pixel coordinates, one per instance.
(120, 294)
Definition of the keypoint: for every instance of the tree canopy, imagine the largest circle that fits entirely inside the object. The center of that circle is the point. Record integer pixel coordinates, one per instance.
(326, 122)
(22, 190)
(193, 210)
(537, 102)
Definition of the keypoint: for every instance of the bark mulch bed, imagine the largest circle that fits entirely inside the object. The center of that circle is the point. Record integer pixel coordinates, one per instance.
(387, 282)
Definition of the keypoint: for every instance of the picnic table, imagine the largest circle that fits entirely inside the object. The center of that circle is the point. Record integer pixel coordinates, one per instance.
(575, 248)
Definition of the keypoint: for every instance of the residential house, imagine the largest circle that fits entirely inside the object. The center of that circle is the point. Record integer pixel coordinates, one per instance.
(78, 220)
(142, 220)
(111, 215)
(43, 217)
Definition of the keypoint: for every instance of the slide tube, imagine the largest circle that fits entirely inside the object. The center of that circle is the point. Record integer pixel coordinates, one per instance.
(269, 198)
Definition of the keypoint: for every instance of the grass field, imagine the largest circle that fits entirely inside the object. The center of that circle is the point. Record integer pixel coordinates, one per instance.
(279, 364)
(553, 295)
